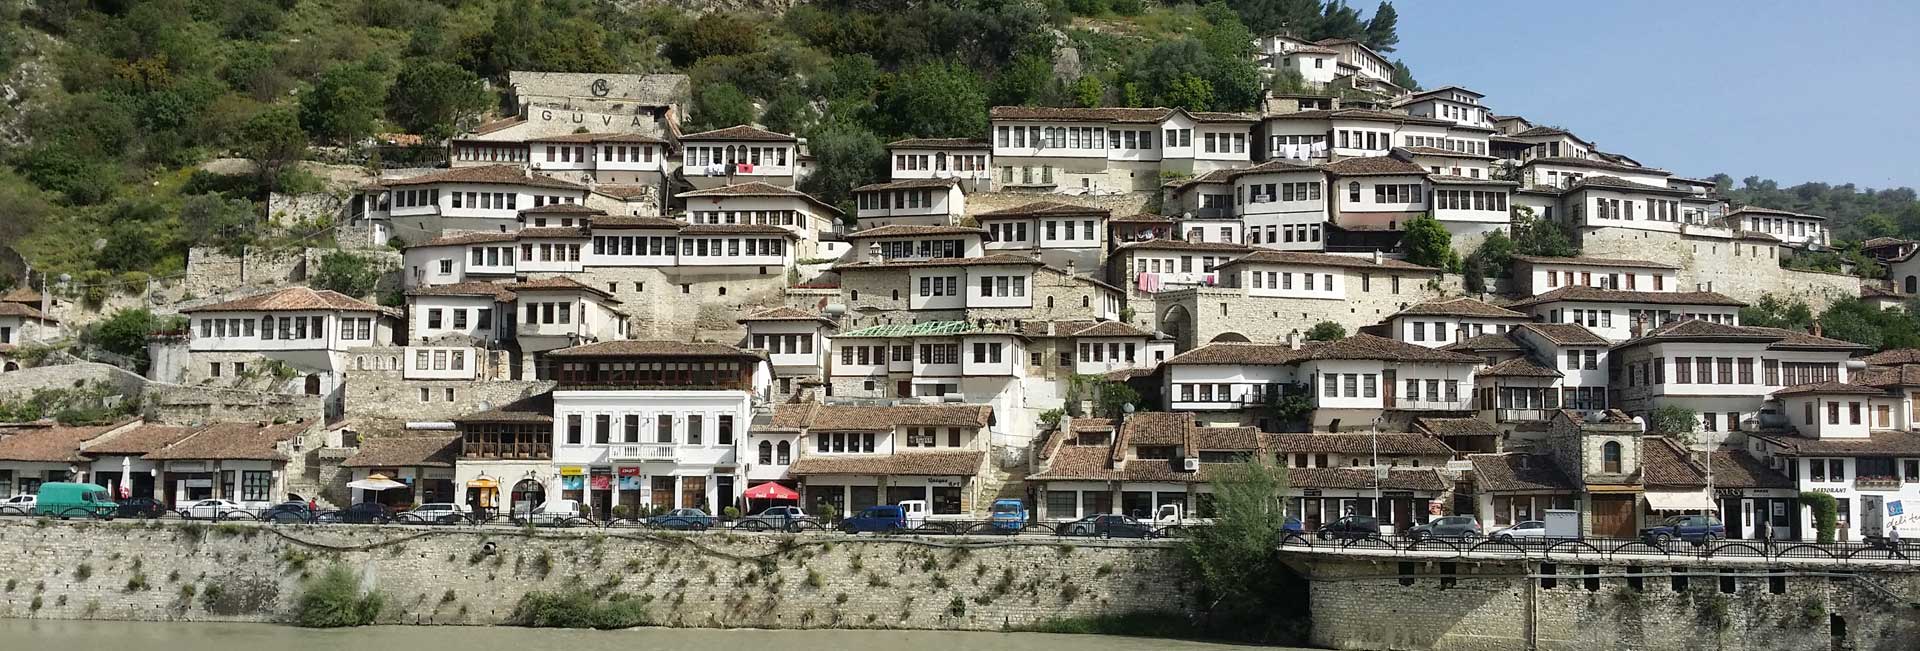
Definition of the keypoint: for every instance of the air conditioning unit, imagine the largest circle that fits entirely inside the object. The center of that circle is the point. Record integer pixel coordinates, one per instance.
(1190, 464)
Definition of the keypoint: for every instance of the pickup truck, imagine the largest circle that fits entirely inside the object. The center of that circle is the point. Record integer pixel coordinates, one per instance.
(1009, 515)
(1172, 514)
(1005, 516)
(920, 514)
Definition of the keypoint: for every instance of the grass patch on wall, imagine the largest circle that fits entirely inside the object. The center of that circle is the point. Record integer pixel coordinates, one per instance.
(334, 600)
(579, 610)
(1134, 624)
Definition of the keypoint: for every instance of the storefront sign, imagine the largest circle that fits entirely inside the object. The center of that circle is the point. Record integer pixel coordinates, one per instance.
(601, 482)
(1830, 491)
(1311, 492)
(572, 471)
(629, 472)
(572, 482)
(579, 117)
(1396, 493)
(943, 481)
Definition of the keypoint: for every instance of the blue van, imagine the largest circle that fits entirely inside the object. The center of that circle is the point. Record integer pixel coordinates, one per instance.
(876, 518)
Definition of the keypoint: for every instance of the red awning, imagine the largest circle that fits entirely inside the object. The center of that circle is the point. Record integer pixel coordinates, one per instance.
(771, 491)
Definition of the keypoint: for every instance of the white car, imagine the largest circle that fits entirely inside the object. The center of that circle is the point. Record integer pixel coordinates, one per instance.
(434, 513)
(18, 505)
(555, 512)
(211, 509)
(1521, 532)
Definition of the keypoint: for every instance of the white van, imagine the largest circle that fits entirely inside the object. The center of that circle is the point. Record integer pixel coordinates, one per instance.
(552, 513)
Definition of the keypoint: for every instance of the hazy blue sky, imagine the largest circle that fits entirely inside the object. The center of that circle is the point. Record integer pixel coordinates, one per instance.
(1793, 91)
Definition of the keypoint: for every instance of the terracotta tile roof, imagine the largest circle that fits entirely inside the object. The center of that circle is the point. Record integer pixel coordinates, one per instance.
(290, 299)
(1368, 347)
(622, 191)
(1775, 338)
(1604, 182)
(1373, 166)
(1239, 354)
(782, 314)
(1566, 334)
(1461, 306)
(651, 348)
(1156, 428)
(756, 189)
(1055, 114)
(1522, 366)
(21, 295)
(994, 259)
(537, 409)
(1043, 209)
(1489, 342)
(624, 222)
(1893, 356)
(1665, 463)
(1595, 294)
(908, 184)
(496, 125)
(903, 230)
(1414, 479)
(1216, 176)
(739, 132)
(1219, 439)
(1455, 426)
(1609, 416)
(404, 451)
(563, 209)
(1883, 443)
(1828, 388)
(138, 440)
(493, 174)
(22, 311)
(1370, 115)
(1093, 425)
(552, 233)
(1140, 219)
(560, 284)
(940, 143)
(1183, 245)
(1593, 262)
(1448, 153)
(1518, 472)
(1757, 210)
(1796, 339)
(904, 463)
(55, 444)
(1737, 469)
(1542, 131)
(1443, 89)
(1593, 164)
(466, 238)
(599, 137)
(1887, 376)
(1326, 260)
(1361, 443)
(232, 441)
(735, 229)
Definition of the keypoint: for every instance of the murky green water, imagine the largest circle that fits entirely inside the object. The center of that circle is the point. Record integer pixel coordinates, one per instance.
(113, 636)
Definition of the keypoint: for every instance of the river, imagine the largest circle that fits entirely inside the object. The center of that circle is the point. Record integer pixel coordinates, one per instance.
(204, 636)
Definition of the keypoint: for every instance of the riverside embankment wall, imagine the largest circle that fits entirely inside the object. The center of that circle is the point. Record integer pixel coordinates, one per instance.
(252, 573)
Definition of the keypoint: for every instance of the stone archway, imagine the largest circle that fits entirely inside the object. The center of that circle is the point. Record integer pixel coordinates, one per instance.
(526, 495)
(313, 384)
(1177, 322)
(1230, 338)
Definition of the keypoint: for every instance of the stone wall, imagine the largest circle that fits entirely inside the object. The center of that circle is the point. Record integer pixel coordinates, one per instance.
(1128, 203)
(68, 376)
(1213, 311)
(292, 209)
(380, 391)
(250, 572)
(1712, 263)
(659, 307)
(1494, 606)
(177, 404)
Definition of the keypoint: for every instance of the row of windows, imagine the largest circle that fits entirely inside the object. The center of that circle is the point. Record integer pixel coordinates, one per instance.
(1284, 280)
(484, 318)
(1270, 192)
(792, 344)
(1450, 144)
(755, 246)
(1288, 233)
(288, 328)
(509, 154)
(889, 200)
(633, 245)
(414, 198)
(440, 360)
(961, 162)
(760, 217)
(929, 437)
(1003, 286)
(1470, 200)
(549, 252)
(489, 256)
(1218, 392)
(1606, 281)
(1113, 350)
(1779, 226)
(1730, 370)
(694, 428)
(1356, 139)
(921, 248)
(734, 155)
(653, 373)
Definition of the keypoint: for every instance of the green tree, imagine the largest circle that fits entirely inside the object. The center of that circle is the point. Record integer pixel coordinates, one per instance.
(1244, 586)
(1024, 82)
(430, 98)
(541, 35)
(1542, 237)
(343, 106)
(1493, 258)
(1087, 92)
(1675, 421)
(272, 139)
(717, 106)
(845, 156)
(1298, 17)
(346, 273)
(1337, 20)
(934, 100)
(1403, 76)
(1428, 243)
(213, 220)
(1326, 331)
(1382, 34)
(123, 333)
(1772, 312)
(789, 112)
(1189, 92)
(712, 34)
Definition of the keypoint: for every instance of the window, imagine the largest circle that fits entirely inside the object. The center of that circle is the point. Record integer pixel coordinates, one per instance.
(663, 429)
(1610, 457)
(255, 485)
(573, 428)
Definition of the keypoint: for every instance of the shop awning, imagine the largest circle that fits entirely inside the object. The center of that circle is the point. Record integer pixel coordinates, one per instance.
(1680, 501)
(483, 483)
(771, 491)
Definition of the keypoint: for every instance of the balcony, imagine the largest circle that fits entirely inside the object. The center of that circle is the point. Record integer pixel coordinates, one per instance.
(655, 452)
(1433, 405)
(1522, 415)
(1876, 483)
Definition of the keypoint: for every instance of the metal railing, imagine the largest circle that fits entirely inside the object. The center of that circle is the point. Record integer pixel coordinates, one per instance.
(1876, 550)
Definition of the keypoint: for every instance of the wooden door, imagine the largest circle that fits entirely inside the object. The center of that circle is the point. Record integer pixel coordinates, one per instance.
(903, 389)
(1388, 388)
(1613, 516)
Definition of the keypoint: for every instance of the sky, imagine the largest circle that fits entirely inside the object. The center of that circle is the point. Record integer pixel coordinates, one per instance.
(1791, 91)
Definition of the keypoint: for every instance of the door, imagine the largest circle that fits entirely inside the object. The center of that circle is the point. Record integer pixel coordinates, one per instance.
(662, 493)
(1735, 512)
(1402, 513)
(1388, 388)
(1613, 516)
(1871, 513)
(693, 493)
(903, 389)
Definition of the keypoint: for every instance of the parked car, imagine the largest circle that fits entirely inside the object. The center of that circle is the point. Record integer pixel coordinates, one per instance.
(17, 505)
(1293, 525)
(920, 515)
(213, 509)
(552, 513)
(876, 518)
(288, 512)
(1106, 525)
(688, 519)
(783, 518)
(1691, 528)
(142, 507)
(1352, 527)
(434, 513)
(1008, 515)
(1454, 527)
(68, 499)
(1522, 532)
(362, 513)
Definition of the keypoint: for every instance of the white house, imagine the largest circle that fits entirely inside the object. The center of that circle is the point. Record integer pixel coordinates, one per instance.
(910, 201)
(1219, 381)
(1316, 64)
(310, 330)
(1440, 322)
(1282, 204)
(1536, 275)
(854, 456)
(1798, 230)
(795, 343)
(483, 198)
(1832, 447)
(1725, 373)
(904, 242)
(1452, 103)
(740, 154)
(1377, 193)
(762, 204)
(560, 312)
(1057, 233)
(1620, 314)
(609, 158)
(22, 324)
(967, 160)
(1342, 377)
(1104, 150)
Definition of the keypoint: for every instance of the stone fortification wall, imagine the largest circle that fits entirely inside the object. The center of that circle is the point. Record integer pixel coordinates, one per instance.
(211, 272)
(24, 382)
(177, 404)
(383, 393)
(1712, 263)
(683, 304)
(1127, 203)
(1213, 311)
(1494, 606)
(250, 572)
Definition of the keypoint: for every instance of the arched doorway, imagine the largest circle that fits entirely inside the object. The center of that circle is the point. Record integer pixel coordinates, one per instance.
(1230, 338)
(1913, 284)
(12, 366)
(526, 495)
(313, 384)
(940, 161)
(1178, 323)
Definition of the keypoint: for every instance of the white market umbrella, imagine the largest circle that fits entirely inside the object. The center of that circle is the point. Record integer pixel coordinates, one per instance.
(375, 483)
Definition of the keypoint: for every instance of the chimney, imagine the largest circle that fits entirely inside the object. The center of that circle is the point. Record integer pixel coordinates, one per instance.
(1293, 339)
(1052, 329)
(1817, 328)
(1377, 258)
(1070, 268)
(873, 252)
(1638, 327)
(1460, 333)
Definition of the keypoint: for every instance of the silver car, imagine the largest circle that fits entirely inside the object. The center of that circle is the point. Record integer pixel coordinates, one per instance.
(1522, 532)
(775, 518)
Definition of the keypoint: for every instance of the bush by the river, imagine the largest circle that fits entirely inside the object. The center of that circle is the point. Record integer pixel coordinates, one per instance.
(579, 610)
(334, 600)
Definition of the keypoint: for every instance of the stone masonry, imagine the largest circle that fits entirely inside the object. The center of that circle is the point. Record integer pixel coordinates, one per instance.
(1712, 263)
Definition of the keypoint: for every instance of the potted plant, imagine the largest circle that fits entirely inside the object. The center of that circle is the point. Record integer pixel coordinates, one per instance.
(730, 514)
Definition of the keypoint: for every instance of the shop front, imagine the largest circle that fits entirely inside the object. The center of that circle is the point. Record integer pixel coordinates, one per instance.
(487, 486)
(637, 491)
(1753, 513)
